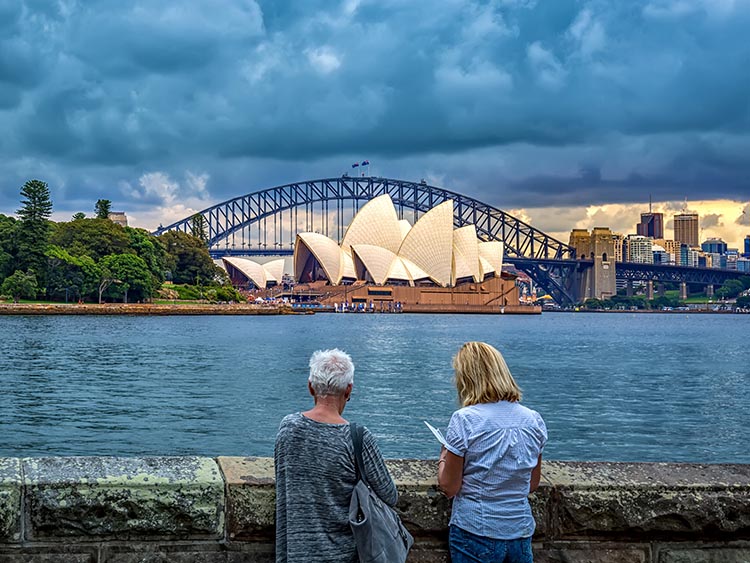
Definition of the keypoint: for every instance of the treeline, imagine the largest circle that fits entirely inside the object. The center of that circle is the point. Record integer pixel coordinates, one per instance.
(95, 259)
(729, 290)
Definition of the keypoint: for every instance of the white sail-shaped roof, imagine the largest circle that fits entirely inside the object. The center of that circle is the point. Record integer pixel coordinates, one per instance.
(486, 267)
(466, 254)
(375, 224)
(274, 270)
(405, 227)
(376, 260)
(252, 270)
(429, 243)
(399, 272)
(326, 252)
(415, 272)
(492, 251)
(348, 271)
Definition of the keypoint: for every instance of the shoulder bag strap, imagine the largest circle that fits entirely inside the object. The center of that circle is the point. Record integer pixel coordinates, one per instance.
(357, 432)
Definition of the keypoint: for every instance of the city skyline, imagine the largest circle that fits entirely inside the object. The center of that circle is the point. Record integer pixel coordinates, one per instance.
(568, 113)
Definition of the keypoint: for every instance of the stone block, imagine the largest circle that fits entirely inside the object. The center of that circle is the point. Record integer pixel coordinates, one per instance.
(705, 555)
(95, 498)
(590, 552)
(642, 501)
(423, 508)
(251, 497)
(60, 554)
(11, 484)
(163, 553)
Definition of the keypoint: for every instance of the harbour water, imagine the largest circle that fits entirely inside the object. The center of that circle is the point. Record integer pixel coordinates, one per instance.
(627, 387)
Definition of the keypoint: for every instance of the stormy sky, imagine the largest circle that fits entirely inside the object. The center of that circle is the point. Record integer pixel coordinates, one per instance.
(566, 112)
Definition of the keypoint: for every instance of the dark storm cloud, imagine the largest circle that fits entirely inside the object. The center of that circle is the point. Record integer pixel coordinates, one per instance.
(567, 102)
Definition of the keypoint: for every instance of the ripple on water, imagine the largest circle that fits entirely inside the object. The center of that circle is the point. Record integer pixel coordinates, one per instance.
(610, 387)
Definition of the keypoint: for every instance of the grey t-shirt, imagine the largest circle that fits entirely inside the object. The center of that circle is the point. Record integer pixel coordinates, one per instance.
(315, 476)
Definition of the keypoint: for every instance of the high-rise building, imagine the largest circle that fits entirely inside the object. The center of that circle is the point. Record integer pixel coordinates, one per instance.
(617, 238)
(688, 256)
(715, 245)
(651, 225)
(747, 247)
(640, 249)
(686, 228)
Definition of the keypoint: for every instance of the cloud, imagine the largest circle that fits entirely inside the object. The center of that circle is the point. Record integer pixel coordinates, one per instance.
(548, 70)
(323, 59)
(574, 104)
(711, 220)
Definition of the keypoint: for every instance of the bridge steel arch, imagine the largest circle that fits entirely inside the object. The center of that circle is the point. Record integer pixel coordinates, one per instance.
(521, 240)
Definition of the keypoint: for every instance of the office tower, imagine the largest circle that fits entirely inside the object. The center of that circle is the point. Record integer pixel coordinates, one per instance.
(651, 225)
(640, 249)
(617, 239)
(747, 247)
(686, 228)
(714, 245)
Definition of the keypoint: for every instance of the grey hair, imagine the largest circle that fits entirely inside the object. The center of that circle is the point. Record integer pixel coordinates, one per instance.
(331, 371)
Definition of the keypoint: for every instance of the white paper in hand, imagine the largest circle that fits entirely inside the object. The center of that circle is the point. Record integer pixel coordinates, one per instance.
(436, 433)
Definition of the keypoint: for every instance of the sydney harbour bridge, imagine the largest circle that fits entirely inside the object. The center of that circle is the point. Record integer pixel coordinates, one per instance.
(266, 222)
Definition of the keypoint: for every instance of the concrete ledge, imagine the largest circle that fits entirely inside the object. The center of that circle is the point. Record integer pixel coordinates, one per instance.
(94, 498)
(664, 501)
(11, 484)
(185, 509)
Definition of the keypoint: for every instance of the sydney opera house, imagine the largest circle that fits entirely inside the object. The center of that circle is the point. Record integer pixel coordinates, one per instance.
(383, 260)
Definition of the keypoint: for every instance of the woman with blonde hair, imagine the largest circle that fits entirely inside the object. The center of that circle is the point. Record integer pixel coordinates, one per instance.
(492, 461)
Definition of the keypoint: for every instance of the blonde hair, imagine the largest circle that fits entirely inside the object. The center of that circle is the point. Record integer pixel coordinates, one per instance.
(482, 376)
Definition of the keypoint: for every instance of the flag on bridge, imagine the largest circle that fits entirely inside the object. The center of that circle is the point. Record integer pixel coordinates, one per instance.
(365, 163)
(355, 165)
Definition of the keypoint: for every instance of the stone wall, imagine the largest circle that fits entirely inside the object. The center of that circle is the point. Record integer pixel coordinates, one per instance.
(184, 509)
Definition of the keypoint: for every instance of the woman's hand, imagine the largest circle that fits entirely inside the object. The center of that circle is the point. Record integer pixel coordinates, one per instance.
(450, 473)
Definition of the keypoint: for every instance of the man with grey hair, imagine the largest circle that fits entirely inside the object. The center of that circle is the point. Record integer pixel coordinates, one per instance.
(331, 373)
(316, 470)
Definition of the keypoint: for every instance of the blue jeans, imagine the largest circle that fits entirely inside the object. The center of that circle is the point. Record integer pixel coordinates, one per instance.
(466, 547)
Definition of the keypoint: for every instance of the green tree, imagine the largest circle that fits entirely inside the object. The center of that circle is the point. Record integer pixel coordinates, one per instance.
(102, 208)
(78, 216)
(34, 229)
(730, 289)
(190, 261)
(130, 276)
(8, 227)
(71, 276)
(91, 237)
(151, 249)
(198, 227)
(744, 302)
(20, 285)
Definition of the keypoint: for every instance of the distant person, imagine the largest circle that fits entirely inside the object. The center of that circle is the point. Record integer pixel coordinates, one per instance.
(492, 462)
(316, 470)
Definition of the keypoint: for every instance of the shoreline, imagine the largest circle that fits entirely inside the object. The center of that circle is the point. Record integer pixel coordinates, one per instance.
(649, 311)
(144, 309)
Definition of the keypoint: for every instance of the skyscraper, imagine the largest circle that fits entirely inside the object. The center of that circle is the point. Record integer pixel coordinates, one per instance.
(651, 225)
(714, 246)
(747, 246)
(686, 228)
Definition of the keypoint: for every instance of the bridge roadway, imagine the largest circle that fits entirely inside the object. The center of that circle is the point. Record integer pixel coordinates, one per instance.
(548, 261)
